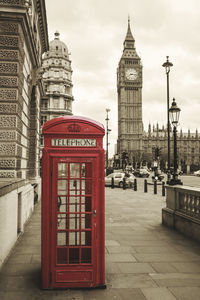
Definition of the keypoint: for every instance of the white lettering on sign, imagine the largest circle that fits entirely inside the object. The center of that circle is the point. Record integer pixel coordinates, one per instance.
(74, 142)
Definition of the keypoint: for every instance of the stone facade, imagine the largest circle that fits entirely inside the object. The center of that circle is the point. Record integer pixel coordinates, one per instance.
(23, 39)
(188, 148)
(16, 206)
(129, 88)
(182, 211)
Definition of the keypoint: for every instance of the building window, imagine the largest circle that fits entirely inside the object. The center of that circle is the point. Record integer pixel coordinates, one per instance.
(56, 103)
(56, 73)
(43, 120)
(42, 140)
(56, 88)
(45, 105)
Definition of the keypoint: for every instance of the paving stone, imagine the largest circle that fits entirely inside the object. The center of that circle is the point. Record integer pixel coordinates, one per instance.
(136, 267)
(186, 293)
(111, 243)
(144, 242)
(120, 249)
(120, 257)
(18, 258)
(158, 294)
(154, 249)
(164, 267)
(175, 282)
(176, 279)
(36, 258)
(112, 268)
(187, 267)
(166, 257)
(175, 275)
(30, 249)
(117, 294)
(131, 281)
(21, 269)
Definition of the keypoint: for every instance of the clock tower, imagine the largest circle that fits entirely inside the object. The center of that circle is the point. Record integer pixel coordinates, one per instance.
(129, 89)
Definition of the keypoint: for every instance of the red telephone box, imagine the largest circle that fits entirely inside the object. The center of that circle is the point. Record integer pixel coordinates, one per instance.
(73, 238)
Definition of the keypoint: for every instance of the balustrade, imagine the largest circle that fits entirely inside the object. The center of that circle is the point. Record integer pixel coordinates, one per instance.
(182, 210)
(189, 203)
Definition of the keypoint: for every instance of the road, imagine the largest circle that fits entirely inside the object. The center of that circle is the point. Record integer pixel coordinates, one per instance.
(189, 180)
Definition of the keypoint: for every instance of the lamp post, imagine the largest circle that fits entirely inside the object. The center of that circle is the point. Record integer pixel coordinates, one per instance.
(167, 66)
(174, 113)
(107, 132)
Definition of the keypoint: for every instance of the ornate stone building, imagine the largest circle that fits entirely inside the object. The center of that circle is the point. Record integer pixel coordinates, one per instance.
(139, 147)
(129, 89)
(57, 79)
(188, 148)
(23, 39)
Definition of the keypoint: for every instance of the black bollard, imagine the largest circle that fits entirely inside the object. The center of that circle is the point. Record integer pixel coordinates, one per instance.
(124, 183)
(135, 184)
(145, 185)
(163, 188)
(155, 187)
(112, 183)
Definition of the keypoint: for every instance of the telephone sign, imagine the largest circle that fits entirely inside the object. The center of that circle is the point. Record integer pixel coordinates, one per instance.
(74, 142)
(73, 238)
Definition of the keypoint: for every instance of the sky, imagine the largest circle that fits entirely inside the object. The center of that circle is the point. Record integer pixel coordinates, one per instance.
(94, 32)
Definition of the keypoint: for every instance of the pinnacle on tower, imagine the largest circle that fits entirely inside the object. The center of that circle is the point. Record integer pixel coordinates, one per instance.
(56, 34)
(129, 36)
(129, 39)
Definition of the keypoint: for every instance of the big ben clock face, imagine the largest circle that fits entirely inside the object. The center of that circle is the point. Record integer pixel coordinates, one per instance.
(131, 74)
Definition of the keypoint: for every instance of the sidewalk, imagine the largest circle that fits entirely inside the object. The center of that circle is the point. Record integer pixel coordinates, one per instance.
(144, 260)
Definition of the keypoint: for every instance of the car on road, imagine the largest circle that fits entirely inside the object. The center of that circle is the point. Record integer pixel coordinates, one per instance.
(197, 173)
(141, 173)
(158, 176)
(118, 179)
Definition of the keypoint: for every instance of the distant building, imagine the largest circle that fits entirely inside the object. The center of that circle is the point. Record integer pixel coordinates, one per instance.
(188, 148)
(57, 79)
(134, 145)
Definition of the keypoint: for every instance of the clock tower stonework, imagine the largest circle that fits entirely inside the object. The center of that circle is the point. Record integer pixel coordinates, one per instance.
(129, 89)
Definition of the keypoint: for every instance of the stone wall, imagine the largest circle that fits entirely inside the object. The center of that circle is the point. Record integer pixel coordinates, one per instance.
(16, 206)
(23, 38)
(182, 211)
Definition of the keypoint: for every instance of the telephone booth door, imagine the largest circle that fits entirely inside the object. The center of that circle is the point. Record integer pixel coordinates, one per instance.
(73, 221)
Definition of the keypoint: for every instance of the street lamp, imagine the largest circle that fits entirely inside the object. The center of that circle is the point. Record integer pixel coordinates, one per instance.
(107, 132)
(174, 113)
(167, 66)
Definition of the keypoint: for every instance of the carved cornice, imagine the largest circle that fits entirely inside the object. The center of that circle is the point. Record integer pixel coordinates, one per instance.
(16, 11)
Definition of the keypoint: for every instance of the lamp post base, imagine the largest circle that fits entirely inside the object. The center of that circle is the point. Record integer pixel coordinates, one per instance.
(168, 177)
(175, 181)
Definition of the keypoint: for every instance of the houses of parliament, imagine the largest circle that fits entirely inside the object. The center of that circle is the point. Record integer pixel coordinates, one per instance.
(137, 146)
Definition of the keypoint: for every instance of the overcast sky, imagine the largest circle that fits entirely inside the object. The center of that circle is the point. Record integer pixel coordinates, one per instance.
(94, 32)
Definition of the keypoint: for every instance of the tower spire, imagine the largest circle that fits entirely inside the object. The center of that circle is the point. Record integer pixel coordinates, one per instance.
(129, 39)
